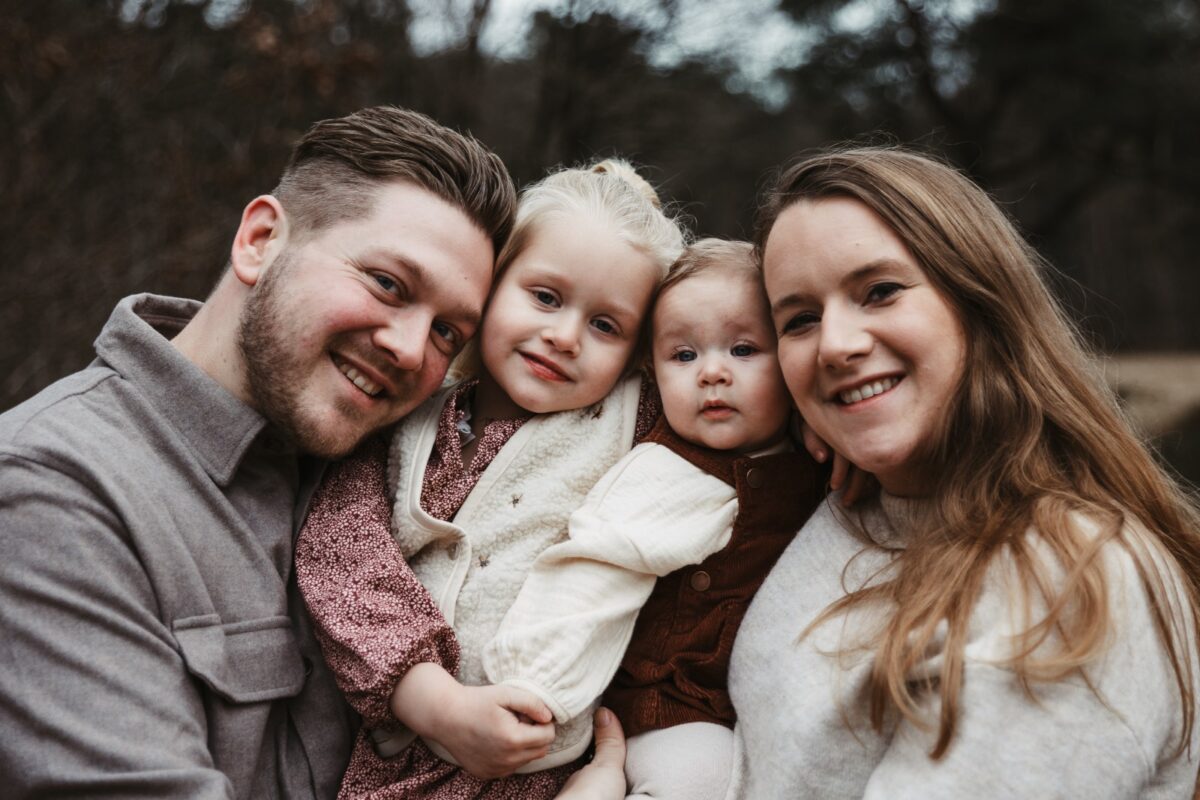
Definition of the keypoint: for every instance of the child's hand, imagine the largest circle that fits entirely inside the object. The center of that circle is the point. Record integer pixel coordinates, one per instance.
(844, 473)
(490, 730)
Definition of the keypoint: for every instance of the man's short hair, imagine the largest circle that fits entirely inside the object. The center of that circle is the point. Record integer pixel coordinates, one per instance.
(338, 162)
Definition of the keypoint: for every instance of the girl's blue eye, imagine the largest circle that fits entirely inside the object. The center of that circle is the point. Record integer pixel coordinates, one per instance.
(604, 326)
(684, 356)
(544, 297)
(446, 332)
(742, 350)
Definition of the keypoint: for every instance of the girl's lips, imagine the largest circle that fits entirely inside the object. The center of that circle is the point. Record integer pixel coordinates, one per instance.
(544, 369)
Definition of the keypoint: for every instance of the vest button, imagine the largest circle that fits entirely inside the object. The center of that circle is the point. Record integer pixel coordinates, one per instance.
(701, 580)
(755, 478)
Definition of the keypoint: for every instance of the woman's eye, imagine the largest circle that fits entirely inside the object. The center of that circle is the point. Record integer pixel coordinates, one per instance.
(882, 291)
(604, 326)
(743, 350)
(545, 297)
(684, 355)
(799, 323)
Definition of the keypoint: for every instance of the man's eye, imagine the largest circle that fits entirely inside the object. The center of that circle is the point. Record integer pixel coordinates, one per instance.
(386, 283)
(742, 350)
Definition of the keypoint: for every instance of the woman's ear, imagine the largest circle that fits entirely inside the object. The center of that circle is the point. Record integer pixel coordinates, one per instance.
(260, 238)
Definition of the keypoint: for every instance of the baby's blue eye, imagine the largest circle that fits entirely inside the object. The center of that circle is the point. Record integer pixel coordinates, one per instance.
(604, 326)
(742, 350)
(685, 356)
(544, 297)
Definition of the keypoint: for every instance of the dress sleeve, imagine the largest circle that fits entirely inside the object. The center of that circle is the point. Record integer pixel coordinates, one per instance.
(371, 614)
(94, 697)
(564, 637)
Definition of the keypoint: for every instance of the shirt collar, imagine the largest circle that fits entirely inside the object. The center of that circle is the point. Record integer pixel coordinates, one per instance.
(136, 343)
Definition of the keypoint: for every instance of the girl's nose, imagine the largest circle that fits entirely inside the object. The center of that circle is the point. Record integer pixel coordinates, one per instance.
(563, 335)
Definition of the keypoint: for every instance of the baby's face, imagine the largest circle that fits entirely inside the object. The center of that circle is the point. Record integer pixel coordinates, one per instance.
(715, 363)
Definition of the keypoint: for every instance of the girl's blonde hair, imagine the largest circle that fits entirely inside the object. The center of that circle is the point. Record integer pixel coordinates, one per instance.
(609, 191)
(1032, 439)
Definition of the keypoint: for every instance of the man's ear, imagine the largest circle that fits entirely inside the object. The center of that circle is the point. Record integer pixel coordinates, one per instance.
(259, 239)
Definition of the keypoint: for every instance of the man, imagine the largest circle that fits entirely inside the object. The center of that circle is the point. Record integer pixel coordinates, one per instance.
(152, 643)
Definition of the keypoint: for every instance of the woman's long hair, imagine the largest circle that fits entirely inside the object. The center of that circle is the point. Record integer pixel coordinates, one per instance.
(1033, 439)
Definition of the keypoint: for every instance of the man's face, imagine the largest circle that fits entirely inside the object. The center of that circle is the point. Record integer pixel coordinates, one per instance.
(350, 329)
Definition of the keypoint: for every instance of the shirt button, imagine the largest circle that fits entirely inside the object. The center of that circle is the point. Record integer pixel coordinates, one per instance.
(755, 478)
(452, 551)
(701, 580)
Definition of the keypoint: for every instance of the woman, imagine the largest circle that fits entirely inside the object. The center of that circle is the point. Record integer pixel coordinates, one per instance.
(1015, 614)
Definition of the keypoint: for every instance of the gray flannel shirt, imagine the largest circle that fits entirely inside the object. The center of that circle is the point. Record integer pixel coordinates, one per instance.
(152, 642)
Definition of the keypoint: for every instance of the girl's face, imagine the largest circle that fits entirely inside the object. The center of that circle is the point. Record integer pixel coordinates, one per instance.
(564, 319)
(871, 352)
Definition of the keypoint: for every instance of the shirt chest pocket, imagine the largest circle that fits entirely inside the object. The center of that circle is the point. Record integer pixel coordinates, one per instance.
(250, 661)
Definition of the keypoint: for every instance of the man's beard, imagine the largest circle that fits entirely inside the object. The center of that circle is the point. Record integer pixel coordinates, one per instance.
(275, 368)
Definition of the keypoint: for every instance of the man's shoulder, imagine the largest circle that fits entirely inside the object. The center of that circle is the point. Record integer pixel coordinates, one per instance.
(85, 412)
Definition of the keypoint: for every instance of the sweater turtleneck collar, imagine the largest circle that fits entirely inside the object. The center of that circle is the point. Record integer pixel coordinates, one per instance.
(893, 521)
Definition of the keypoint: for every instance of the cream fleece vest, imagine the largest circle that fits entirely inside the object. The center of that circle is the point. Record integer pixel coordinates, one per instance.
(475, 566)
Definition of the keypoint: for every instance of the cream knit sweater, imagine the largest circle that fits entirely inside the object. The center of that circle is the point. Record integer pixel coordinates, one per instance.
(1066, 741)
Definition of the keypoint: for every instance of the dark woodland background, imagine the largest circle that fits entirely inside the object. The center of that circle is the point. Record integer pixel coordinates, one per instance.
(131, 141)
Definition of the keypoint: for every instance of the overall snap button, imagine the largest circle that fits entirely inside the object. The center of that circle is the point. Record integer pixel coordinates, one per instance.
(701, 580)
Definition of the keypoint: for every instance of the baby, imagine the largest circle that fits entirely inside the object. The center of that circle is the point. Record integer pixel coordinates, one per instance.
(706, 503)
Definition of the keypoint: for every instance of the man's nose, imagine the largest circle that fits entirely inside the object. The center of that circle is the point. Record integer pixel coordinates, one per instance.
(404, 339)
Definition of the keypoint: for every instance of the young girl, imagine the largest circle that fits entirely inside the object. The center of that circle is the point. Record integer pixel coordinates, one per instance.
(1015, 614)
(706, 503)
(483, 477)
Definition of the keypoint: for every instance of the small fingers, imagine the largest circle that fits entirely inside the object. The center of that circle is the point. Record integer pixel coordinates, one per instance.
(525, 704)
(856, 488)
(841, 467)
(814, 444)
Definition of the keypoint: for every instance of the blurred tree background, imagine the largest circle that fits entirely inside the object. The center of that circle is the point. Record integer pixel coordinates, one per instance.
(133, 132)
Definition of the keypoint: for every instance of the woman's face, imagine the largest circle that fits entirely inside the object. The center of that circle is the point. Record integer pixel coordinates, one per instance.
(870, 350)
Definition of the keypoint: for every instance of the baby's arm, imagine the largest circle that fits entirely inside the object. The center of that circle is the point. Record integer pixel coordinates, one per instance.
(651, 514)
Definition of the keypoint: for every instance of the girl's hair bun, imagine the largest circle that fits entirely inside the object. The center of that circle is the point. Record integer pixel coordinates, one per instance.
(620, 168)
